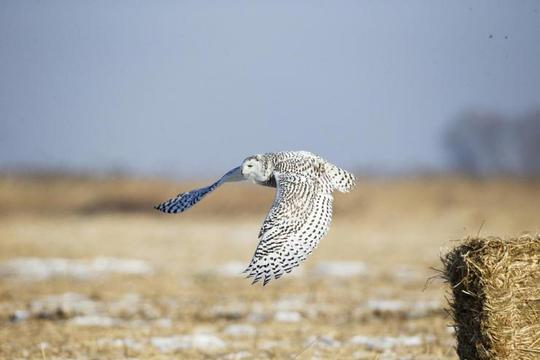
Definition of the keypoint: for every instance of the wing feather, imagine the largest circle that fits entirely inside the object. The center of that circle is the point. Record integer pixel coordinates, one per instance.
(186, 200)
(299, 217)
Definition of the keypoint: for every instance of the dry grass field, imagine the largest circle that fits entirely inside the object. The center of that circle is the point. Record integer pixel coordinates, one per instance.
(88, 270)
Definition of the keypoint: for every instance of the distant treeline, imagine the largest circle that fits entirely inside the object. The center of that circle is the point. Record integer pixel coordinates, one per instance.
(486, 144)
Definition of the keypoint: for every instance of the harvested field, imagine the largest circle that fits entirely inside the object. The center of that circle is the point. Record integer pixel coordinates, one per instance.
(116, 279)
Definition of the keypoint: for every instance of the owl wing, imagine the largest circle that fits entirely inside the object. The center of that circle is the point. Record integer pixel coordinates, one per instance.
(300, 216)
(185, 200)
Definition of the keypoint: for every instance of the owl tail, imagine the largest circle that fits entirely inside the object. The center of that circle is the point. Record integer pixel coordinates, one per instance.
(342, 180)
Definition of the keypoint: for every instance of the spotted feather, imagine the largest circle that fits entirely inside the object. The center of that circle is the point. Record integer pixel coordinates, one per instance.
(185, 200)
(300, 214)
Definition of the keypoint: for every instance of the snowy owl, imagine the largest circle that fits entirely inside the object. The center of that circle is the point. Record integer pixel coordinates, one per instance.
(300, 214)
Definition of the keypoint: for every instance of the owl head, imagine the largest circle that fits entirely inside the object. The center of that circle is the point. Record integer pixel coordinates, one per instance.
(256, 168)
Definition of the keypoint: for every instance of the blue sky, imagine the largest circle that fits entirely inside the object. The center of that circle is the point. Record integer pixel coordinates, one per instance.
(190, 88)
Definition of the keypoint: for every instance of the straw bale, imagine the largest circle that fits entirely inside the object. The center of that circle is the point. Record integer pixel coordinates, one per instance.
(495, 297)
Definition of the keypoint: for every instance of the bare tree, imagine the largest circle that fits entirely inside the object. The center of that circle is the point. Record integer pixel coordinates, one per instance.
(487, 144)
(529, 143)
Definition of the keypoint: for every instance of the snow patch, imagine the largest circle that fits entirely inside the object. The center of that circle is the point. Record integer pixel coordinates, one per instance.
(196, 341)
(240, 330)
(164, 323)
(272, 344)
(386, 342)
(94, 320)
(291, 303)
(123, 343)
(238, 356)
(287, 316)
(407, 274)
(133, 305)
(340, 269)
(19, 315)
(384, 305)
(324, 341)
(45, 268)
(63, 306)
(231, 269)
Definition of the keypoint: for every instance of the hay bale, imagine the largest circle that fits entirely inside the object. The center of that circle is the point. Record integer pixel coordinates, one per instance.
(496, 297)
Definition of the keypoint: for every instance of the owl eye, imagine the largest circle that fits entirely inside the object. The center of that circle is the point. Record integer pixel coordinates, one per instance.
(250, 165)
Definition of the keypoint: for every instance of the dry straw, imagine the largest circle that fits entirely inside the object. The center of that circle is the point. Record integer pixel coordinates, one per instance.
(496, 297)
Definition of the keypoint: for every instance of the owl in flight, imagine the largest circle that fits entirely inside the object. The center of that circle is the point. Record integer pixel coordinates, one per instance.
(300, 214)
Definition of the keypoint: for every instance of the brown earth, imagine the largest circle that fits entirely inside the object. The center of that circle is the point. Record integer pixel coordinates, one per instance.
(391, 231)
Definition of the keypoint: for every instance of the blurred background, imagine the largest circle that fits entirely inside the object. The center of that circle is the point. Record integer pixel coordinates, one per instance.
(107, 108)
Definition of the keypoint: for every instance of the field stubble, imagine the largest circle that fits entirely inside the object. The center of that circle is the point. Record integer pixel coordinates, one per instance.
(362, 294)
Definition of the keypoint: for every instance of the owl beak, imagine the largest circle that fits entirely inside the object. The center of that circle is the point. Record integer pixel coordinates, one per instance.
(234, 175)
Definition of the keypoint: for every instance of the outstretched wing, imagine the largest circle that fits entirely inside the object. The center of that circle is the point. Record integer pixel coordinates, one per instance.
(185, 200)
(300, 216)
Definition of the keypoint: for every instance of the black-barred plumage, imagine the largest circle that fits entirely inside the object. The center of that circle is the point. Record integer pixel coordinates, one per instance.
(300, 214)
(185, 200)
